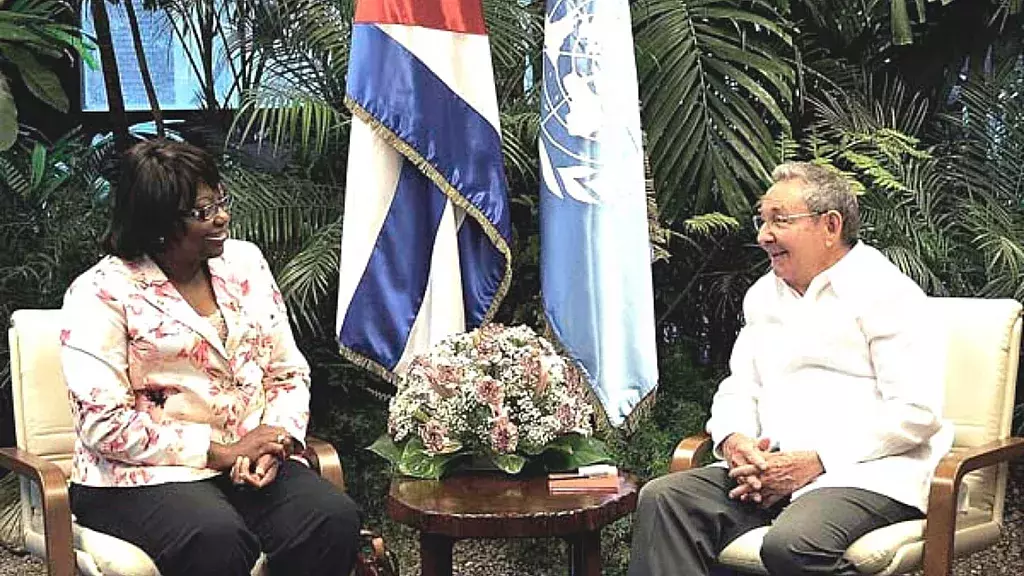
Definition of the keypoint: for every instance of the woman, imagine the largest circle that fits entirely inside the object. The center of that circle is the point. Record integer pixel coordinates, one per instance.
(188, 391)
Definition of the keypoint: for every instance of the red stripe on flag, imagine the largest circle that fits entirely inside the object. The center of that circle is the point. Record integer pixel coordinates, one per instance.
(454, 15)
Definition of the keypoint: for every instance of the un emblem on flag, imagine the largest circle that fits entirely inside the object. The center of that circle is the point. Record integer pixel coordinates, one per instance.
(583, 128)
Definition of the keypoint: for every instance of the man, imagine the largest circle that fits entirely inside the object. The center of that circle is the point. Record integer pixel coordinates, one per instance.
(829, 423)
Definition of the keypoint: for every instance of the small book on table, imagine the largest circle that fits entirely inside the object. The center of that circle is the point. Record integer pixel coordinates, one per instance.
(598, 478)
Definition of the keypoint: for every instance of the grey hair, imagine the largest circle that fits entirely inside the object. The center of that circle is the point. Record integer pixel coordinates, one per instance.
(824, 190)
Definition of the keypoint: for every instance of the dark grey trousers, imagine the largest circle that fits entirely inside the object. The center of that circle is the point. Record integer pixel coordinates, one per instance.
(683, 520)
(214, 528)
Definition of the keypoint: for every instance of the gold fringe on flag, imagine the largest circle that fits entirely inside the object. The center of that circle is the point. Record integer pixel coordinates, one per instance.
(435, 176)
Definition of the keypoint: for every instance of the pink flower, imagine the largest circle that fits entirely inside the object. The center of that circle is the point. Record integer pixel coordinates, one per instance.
(491, 330)
(542, 378)
(449, 376)
(488, 351)
(574, 380)
(423, 368)
(420, 366)
(504, 435)
(434, 436)
(566, 417)
(489, 392)
(532, 370)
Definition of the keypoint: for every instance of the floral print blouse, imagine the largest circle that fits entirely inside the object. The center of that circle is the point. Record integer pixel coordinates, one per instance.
(151, 384)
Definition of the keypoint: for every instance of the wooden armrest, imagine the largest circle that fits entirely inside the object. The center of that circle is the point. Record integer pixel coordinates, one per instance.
(942, 501)
(690, 451)
(60, 554)
(324, 458)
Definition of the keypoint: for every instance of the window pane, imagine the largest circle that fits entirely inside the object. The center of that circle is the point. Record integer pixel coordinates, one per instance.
(174, 77)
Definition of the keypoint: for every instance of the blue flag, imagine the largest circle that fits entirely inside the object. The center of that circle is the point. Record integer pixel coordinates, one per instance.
(595, 250)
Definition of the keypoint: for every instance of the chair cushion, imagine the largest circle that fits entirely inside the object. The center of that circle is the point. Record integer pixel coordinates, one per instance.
(878, 552)
(113, 555)
(42, 412)
(100, 554)
(981, 379)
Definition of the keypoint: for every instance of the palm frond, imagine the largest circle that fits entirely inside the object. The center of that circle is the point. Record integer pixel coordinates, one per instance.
(713, 81)
(708, 225)
(910, 263)
(281, 213)
(909, 208)
(519, 135)
(307, 44)
(10, 511)
(516, 31)
(301, 48)
(880, 176)
(286, 116)
(311, 276)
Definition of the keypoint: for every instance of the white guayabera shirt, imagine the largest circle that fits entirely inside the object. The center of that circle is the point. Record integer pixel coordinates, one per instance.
(854, 370)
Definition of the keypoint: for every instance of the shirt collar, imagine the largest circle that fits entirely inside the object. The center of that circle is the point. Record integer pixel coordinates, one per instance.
(841, 271)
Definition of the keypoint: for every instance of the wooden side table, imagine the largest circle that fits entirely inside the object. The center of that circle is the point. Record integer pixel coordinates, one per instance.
(493, 505)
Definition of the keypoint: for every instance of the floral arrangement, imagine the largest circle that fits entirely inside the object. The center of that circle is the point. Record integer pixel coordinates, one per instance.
(498, 394)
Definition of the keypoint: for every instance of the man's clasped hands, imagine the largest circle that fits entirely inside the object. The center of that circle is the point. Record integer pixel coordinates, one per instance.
(764, 476)
(255, 458)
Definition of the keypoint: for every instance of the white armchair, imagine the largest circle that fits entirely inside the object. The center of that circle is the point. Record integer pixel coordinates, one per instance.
(45, 440)
(984, 351)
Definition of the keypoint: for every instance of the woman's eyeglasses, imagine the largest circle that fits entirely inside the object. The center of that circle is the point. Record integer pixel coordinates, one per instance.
(210, 210)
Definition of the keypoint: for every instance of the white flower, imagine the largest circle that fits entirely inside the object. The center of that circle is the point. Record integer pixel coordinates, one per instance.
(494, 389)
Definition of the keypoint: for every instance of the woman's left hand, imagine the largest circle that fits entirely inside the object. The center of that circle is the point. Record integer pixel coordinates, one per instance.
(264, 473)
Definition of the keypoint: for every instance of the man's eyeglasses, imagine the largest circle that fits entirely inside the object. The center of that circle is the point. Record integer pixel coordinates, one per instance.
(780, 220)
(210, 210)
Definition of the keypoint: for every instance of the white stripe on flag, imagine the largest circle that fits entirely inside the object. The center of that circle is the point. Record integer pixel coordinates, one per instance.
(461, 61)
(373, 170)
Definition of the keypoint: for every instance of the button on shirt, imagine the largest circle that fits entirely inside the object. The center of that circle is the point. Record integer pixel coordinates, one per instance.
(854, 370)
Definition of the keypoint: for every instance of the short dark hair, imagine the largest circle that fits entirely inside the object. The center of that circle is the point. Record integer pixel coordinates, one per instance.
(159, 178)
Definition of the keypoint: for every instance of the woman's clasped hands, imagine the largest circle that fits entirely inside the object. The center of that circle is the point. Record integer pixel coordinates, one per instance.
(255, 458)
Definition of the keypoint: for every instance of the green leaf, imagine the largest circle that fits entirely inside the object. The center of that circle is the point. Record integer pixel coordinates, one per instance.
(8, 116)
(531, 450)
(563, 444)
(81, 44)
(511, 463)
(386, 448)
(41, 81)
(418, 463)
(17, 32)
(920, 11)
(575, 450)
(38, 164)
(901, 33)
(709, 224)
(589, 450)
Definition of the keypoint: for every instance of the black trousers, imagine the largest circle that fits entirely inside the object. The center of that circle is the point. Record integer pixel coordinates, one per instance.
(212, 527)
(684, 520)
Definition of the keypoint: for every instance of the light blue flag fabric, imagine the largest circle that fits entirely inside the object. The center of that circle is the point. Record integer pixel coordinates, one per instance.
(595, 250)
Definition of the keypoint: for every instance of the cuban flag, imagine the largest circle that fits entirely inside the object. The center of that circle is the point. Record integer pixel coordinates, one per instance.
(426, 232)
(595, 249)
